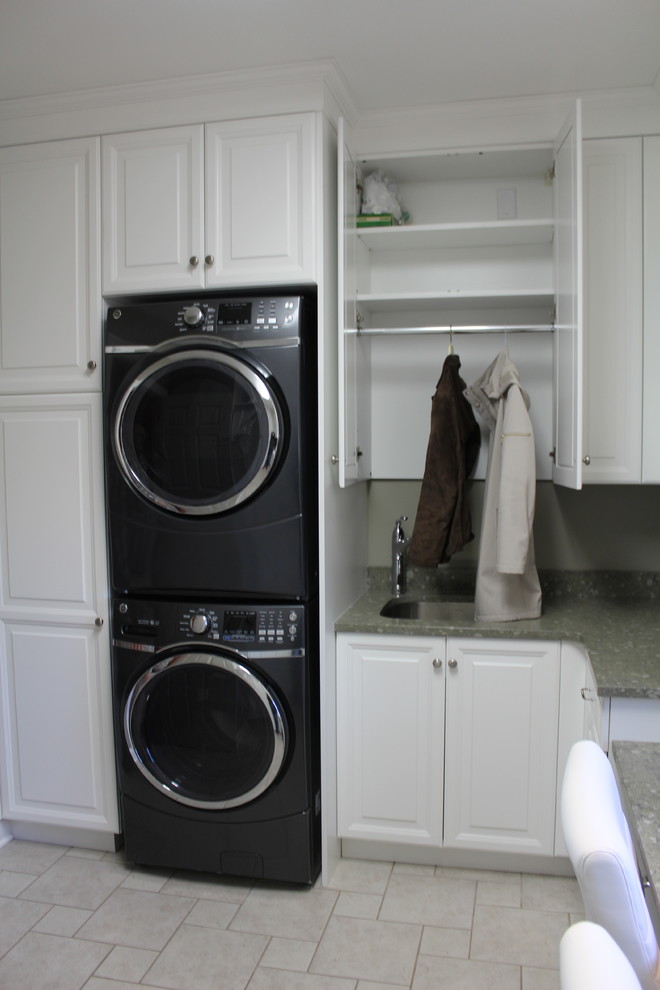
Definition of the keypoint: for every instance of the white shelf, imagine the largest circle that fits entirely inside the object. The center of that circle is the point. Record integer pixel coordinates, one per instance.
(498, 233)
(456, 299)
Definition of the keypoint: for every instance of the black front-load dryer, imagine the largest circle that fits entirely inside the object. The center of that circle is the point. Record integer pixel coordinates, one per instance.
(216, 729)
(210, 436)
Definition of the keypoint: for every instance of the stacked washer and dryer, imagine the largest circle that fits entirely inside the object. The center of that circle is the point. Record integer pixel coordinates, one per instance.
(211, 489)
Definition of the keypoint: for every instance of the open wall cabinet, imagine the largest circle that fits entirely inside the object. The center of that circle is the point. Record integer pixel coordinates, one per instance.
(490, 257)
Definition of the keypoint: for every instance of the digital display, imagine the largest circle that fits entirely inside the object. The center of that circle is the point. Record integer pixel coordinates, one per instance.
(234, 313)
(240, 626)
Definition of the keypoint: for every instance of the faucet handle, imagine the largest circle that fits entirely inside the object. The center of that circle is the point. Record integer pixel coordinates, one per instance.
(398, 536)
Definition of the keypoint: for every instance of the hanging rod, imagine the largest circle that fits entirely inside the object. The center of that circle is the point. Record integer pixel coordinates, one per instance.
(384, 331)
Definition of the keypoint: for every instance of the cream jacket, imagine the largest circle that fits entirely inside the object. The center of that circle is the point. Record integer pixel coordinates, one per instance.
(507, 581)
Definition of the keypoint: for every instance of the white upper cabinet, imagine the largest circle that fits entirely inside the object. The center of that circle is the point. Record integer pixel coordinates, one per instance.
(153, 210)
(568, 344)
(50, 303)
(488, 253)
(613, 317)
(224, 205)
(651, 436)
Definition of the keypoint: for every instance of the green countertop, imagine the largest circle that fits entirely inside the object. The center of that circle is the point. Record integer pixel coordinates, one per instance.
(616, 616)
(638, 771)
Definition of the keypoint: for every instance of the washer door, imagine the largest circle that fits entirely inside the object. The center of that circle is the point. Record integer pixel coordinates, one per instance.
(198, 432)
(205, 730)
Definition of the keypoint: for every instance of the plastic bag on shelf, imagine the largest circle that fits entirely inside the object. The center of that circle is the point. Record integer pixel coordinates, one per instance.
(380, 195)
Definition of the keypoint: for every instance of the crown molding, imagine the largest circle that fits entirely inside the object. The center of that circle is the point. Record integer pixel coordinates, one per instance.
(295, 87)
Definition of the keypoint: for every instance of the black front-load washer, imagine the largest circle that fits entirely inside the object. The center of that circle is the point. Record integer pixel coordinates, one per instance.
(211, 440)
(216, 729)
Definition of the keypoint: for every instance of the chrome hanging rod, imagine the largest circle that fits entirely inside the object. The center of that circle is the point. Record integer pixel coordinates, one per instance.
(489, 328)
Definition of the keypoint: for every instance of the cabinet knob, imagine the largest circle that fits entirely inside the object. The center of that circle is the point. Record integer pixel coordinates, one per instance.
(453, 663)
(437, 663)
(91, 365)
(586, 459)
(209, 259)
(194, 261)
(98, 621)
(334, 459)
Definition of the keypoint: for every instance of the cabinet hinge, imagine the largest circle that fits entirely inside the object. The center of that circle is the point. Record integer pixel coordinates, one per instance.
(549, 176)
(553, 455)
(553, 315)
(359, 320)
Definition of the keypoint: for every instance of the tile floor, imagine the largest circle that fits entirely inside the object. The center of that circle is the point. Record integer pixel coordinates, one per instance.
(73, 919)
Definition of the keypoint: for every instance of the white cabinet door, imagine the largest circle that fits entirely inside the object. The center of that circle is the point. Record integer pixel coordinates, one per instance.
(50, 303)
(390, 737)
(153, 227)
(260, 202)
(501, 745)
(52, 546)
(57, 764)
(612, 198)
(568, 356)
(651, 435)
(354, 374)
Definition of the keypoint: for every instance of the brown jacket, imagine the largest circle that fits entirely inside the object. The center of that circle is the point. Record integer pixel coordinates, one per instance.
(443, 524)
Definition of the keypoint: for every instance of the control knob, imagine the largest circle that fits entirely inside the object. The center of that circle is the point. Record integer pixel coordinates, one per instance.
(193, 316)
(200, 622)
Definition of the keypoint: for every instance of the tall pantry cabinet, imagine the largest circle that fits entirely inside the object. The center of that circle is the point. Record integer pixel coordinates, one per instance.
(56, 750)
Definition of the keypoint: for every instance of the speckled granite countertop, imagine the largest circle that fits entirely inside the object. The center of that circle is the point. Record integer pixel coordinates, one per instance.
(615, 615)
(638, 770)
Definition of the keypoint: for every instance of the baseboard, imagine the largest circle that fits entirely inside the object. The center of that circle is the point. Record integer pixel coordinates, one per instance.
(59, 835)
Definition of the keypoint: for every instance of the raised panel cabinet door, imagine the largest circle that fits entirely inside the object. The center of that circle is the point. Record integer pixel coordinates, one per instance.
(568, 343)
(390, 732)
(501, 745)
(613, 317)
(50, 300)
(152, 191)
(651, 436)
(52, 543)
(57, 764)
(260, 201)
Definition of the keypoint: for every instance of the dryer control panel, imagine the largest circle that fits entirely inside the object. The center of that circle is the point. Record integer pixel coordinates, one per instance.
(253, 630)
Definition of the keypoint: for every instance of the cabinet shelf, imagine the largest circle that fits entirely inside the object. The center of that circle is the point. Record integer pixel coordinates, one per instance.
(452, 298)
(496, 233)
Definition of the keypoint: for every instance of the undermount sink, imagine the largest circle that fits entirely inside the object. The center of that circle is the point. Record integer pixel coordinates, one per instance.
(430, 609)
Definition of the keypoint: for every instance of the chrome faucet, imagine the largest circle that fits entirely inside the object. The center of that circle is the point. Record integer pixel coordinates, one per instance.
(399, 547)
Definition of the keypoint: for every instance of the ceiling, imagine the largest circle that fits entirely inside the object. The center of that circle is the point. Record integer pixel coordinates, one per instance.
(391, 55)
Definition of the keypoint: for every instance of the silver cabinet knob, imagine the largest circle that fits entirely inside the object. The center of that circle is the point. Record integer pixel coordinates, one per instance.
(194, 261)
(453, 663)
(586, 459)
(209, 259)
(91, 365)
(437, 663)
(98, 621)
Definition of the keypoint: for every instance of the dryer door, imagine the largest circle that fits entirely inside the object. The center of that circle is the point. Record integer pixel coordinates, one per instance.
(198, 431)
(205, 730)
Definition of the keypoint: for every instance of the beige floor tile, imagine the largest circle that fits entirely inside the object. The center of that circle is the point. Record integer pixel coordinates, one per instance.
(29, 857)
(215, 888)
(362, 876)
(415, 869)
(368, 985)
(517, 936)
(540, 979)
(13, 884)
(145, 879)
(212, 914)
(446, 903)
(62, 921)
(137, 918)
(75, 882)
(352, 905)
(505, 893)
(279, 979)
(451, 942)
(207, 959)
(380, 951)
(48, 962)
(126, 964)
(432, 973)
(17, 918)
(551, 893)
(287, 913)
(288, 953)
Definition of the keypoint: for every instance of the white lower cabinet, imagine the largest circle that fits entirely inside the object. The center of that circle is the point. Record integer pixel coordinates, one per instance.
(57, 766)
(448, 742)
(56, 741)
